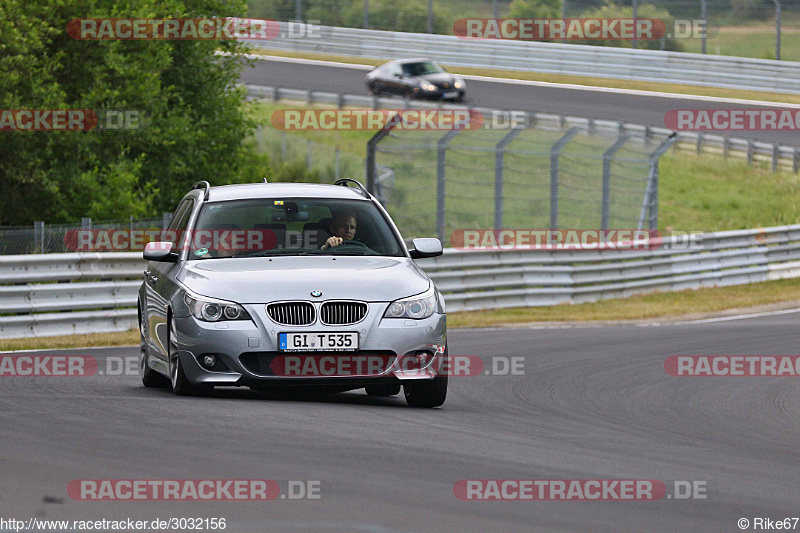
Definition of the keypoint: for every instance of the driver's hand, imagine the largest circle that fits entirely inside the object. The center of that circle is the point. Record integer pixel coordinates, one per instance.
(332, 241)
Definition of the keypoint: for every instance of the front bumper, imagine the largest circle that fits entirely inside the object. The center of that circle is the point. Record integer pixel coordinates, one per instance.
(245, 350)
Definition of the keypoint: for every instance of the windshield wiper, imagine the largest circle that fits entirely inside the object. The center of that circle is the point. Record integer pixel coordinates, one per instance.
(268, 253)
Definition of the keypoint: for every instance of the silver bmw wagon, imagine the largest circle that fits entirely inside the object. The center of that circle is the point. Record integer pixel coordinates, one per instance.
(275, 285)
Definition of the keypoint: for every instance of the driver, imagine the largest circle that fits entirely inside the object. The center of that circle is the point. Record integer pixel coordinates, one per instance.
(342, 228)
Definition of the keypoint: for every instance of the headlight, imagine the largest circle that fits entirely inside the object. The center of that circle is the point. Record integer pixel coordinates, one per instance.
(416, 307)
(428, 86)
(212, 310)
(459, 84)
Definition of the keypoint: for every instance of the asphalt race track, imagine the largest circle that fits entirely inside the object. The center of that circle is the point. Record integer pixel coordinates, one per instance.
(639, 109)
(593, 403)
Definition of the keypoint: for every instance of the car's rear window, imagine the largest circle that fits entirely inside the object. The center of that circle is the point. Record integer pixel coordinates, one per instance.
(290, 226)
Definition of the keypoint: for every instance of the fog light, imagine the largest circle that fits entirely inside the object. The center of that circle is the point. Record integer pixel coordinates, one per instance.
(209, 361)
(422, 357)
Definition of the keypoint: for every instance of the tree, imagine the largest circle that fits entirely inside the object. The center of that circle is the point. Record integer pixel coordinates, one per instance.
(195, 128)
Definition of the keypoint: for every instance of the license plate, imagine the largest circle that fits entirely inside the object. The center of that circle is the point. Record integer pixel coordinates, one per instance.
(318, 342)
(451, 94)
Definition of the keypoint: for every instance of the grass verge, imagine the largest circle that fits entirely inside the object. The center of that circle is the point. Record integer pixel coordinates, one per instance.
(561, 78)
(124, 338)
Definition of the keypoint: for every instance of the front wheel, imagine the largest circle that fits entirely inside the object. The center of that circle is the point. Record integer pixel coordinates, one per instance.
(150, 378)
(180, 383)
(428, 393)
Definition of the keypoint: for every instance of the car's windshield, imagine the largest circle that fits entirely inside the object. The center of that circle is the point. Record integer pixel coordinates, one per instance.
(290, 226)
(421, 68)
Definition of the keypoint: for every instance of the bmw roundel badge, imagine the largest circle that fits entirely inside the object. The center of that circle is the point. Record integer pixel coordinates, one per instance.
(316, 294)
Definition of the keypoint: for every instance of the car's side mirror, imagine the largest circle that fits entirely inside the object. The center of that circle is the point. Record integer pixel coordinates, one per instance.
(160, 251)
(423, 248)
(398, 75)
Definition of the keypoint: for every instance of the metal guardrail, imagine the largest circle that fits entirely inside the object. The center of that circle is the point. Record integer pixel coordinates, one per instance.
(776, 156)
(552, 58)
(62, 294)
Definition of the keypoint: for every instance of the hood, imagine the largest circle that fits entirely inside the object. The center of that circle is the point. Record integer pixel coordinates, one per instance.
(439, 79)
(261, 280)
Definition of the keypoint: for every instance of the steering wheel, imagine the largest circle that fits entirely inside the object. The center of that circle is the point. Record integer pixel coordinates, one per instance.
(354, 243)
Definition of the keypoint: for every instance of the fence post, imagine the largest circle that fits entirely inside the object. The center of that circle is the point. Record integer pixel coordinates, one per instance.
(699, 143)
(441, 149)
(554, 152)
(336, 171)
(308, 155)
(749, 152)
(165, 218)
(38, 230)
(372, 146)
(283, 146)
(499, 154)
(726, 146)
(776, 155)
(604, 222)
(796, 160)
(650, 203)
(705, 22)
(259, 136)
(635, 15)
(777, 29)
(86, 223)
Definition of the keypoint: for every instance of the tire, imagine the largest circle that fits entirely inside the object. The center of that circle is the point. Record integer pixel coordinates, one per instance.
(383, 391)
(427, 393)
(180, 383)
(150, 378)
(408, 94)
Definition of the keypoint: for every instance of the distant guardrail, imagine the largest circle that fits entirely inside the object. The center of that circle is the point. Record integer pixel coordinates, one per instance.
(776, 156)
(550, 58)
(64, 294)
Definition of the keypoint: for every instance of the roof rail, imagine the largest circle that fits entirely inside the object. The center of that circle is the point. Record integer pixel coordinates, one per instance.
(202, 185)
(344, 181)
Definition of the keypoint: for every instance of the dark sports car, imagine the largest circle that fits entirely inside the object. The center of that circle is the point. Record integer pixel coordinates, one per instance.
(415, 78)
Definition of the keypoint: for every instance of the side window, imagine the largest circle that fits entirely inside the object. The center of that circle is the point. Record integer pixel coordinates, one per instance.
(180, 220)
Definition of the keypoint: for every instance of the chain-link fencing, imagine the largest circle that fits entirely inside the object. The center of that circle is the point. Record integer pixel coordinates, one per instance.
(547, 176)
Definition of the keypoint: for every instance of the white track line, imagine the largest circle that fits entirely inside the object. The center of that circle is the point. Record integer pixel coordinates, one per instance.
(571, 86)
